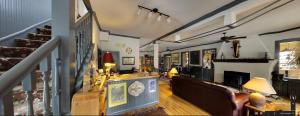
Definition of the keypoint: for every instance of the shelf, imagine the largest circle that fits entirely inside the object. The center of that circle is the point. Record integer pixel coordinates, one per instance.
(244, 60)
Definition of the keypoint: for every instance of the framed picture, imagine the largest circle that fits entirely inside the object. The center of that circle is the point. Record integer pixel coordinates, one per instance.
(117, 94)
(195, 57)
(208, 56)
(128, 60)
(175, 57)
(152, 85)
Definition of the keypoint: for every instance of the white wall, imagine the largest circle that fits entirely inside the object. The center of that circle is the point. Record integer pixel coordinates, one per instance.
(253, 47)
(80, 8)
(118, 43)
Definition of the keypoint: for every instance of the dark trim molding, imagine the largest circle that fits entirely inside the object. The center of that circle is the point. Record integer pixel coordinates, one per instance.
(124, 35)
(281, 31)
(221, 9)
(194, 46)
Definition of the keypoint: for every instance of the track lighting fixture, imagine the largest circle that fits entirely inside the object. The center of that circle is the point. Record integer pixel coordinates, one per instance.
(153, 12)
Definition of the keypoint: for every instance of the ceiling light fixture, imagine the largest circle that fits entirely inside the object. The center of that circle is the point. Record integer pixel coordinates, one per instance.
(153, 12)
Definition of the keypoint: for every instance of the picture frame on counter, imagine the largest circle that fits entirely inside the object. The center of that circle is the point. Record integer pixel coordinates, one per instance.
(117, 94)
(128, 60)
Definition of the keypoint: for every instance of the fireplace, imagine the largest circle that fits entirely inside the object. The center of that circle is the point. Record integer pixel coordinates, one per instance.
(236, 79)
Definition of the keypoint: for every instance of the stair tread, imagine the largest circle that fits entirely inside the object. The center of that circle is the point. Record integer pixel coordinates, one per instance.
(35, 36)
(8, 62)
(7, 51)
(48, 26)
(29, 40)
(29, 43)
(39, 34)
(44, 31)
(16, 47)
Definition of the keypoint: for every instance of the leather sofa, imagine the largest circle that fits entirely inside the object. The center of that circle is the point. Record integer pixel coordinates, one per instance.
(214, 99)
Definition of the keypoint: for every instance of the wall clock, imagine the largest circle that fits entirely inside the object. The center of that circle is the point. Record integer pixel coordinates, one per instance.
(128, 50)
(136, 88)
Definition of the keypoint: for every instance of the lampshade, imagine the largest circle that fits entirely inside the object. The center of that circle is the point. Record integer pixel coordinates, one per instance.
(108, 58)
(174, 71)
(260, 85)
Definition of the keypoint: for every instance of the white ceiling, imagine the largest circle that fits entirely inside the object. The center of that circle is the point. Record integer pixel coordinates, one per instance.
(120, 16)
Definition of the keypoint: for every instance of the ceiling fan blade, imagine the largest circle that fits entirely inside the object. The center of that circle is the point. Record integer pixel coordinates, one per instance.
(238, 38)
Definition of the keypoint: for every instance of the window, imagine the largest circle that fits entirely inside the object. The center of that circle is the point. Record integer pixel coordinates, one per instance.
(288, 55)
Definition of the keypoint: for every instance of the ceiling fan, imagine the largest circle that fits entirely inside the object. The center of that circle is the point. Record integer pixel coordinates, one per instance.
(228, 38)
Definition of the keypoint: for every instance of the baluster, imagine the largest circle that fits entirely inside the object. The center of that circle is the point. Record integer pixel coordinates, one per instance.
(6, 105)
(55, 83)
(29, 86)
(46, 71)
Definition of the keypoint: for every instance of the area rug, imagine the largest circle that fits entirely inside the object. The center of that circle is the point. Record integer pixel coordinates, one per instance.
(149, 111)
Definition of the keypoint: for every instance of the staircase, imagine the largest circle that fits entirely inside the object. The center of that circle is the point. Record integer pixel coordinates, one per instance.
(11, 55)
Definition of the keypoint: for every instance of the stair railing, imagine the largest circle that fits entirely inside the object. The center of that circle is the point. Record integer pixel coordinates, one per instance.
(47, 57)
(83, 36)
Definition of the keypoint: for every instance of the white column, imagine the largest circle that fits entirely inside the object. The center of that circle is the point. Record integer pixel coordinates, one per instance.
(156, 56)
(229, 18)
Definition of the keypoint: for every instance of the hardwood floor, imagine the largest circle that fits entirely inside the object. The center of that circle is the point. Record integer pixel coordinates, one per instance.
(174, 105)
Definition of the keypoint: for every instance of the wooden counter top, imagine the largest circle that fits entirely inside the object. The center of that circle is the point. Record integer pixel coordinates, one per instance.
(134, 76)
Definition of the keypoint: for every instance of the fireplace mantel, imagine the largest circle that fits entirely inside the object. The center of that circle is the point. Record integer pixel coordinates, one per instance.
(244, 60)
(255, 69)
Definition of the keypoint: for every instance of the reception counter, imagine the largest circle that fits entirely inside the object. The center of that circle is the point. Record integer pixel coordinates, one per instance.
(128, 92)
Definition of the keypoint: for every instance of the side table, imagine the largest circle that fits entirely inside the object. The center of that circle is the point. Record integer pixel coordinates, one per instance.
(252, 110)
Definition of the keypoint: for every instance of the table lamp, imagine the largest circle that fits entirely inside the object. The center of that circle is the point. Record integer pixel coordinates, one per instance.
(260, 87)
(173, 71)
(108, 61)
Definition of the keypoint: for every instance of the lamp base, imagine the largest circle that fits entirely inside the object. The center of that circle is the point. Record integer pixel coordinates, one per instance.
(257, 100)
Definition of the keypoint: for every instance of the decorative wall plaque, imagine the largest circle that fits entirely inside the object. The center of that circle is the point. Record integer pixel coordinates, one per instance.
(152, 85)
(136, 88)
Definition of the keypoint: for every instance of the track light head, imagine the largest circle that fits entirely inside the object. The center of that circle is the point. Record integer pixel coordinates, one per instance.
(150, 14)
(139, 11)
(159, 18)
(169, 20)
